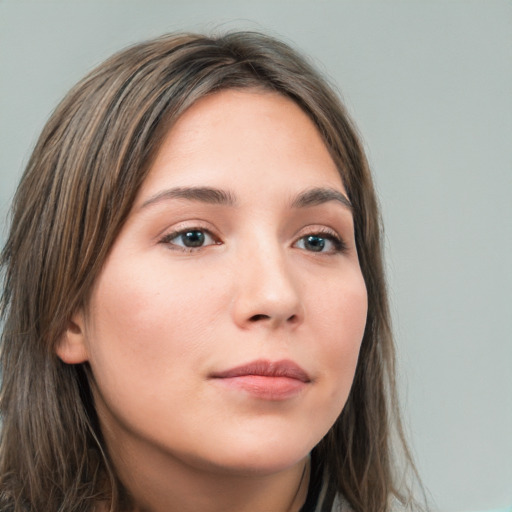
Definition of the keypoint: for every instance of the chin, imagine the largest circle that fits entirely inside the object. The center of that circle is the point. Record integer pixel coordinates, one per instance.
(264, 456)
(249, 466)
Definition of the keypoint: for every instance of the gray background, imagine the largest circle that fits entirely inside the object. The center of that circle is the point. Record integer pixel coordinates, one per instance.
(429, 84)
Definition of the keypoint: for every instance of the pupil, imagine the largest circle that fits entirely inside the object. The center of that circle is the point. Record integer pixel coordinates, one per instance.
(193, 238)
(315, 243)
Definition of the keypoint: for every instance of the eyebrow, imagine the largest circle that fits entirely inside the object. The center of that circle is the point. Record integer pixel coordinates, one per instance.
(317, 196)
(211, 195)
(208, 195)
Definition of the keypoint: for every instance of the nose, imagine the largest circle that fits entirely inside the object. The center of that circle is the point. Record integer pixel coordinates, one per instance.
(266, 292)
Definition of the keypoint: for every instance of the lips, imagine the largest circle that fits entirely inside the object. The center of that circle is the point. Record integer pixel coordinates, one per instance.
(268, 380)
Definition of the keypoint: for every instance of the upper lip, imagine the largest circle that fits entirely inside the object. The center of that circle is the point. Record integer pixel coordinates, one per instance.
(265, 368)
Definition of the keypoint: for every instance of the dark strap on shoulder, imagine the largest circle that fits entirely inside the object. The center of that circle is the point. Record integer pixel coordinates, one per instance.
(321, 494)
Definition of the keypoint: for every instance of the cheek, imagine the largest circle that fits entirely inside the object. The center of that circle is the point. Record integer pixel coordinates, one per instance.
(149, 331)
(340, 306)
(341, 319)
(145, 323)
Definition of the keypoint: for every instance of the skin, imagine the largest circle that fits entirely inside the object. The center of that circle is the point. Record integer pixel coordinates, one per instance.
(163, 318)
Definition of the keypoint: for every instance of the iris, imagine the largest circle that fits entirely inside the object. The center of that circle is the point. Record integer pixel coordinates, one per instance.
(314, 243)
(193, 238)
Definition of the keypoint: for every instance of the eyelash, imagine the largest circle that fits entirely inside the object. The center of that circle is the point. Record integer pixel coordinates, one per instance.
(326, 234)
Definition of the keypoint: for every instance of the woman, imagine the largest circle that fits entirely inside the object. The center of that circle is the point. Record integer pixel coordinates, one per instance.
(194, 302)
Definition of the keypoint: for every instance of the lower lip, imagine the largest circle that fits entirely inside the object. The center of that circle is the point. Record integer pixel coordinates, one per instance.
(265, 388)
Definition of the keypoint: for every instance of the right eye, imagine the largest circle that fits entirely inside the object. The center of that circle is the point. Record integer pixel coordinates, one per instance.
(189, 239)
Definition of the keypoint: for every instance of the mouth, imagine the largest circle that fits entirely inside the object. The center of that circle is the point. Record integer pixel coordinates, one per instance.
(266, 380)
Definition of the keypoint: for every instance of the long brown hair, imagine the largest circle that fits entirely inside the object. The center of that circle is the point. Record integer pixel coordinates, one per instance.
(76, 192)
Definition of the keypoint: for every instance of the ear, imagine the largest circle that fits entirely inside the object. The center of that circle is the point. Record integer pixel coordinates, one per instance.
(71, 348)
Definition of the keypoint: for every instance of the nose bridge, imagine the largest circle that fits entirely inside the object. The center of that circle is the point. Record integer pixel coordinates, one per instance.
(267, 291)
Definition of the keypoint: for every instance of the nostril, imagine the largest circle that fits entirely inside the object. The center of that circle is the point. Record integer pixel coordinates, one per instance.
(256, 318)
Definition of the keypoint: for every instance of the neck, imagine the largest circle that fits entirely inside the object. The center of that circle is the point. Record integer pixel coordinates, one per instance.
(179, 489)
(160, 482)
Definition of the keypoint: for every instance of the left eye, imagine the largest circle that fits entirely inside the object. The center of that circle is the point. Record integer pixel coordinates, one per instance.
(190, 238)
(320, 243)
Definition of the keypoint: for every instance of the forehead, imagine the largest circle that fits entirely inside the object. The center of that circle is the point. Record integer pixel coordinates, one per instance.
(234, 136)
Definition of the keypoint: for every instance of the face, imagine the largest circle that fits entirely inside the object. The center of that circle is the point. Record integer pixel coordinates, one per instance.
(224, 329)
